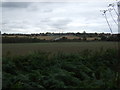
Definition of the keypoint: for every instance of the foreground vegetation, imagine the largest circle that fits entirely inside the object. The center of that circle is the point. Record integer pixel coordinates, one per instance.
(89, 69)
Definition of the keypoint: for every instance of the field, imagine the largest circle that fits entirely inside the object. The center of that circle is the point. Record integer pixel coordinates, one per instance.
(48, 37)
(65, 47)
(61, 65)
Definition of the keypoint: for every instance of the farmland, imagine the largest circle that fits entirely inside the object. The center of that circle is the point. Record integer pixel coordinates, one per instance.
(58, 37)
(83, 64)
(88, 69)
(54, 47)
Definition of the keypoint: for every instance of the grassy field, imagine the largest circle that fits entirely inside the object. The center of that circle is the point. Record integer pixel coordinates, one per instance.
(65, 47)
(74, 65)
(99, 69)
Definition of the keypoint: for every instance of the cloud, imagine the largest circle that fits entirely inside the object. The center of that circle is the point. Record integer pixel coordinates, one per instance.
(39, 17)
(15, 4)
(60, 23)
(55, 0)
(41, 7)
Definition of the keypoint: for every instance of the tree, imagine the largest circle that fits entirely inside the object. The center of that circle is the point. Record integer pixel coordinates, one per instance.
(84, 32)
(84, 36)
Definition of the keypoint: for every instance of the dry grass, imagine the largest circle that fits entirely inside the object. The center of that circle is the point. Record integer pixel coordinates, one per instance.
(71, 37)
(66, 47)
(46, 37)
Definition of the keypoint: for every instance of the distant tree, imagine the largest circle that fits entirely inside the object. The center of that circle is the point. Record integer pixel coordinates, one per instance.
(103, 38)
(79, 38)
(64, 38)
(77, 33)
(84, 36)
(48, 33)
(96, 34)
(4, 33)
(84, 32)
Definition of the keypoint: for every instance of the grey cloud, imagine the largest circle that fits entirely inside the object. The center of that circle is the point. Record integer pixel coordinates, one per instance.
(41, 7)
(44, 17)
(59, 24)
(15, 4)
(48, 10)
(45, 20)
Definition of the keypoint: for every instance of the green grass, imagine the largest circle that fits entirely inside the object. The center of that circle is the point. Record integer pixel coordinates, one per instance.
(61, 65)
(88, 69)
(65, 47)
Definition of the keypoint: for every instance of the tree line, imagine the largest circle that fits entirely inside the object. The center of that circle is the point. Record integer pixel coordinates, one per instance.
(63, 39)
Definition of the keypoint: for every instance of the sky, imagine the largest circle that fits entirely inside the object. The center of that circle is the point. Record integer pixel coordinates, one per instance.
(55, 16)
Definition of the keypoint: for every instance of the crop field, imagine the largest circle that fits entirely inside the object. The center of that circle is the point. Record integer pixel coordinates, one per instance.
(55, 47)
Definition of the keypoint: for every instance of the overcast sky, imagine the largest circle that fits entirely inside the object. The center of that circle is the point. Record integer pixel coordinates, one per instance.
(39, 17)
